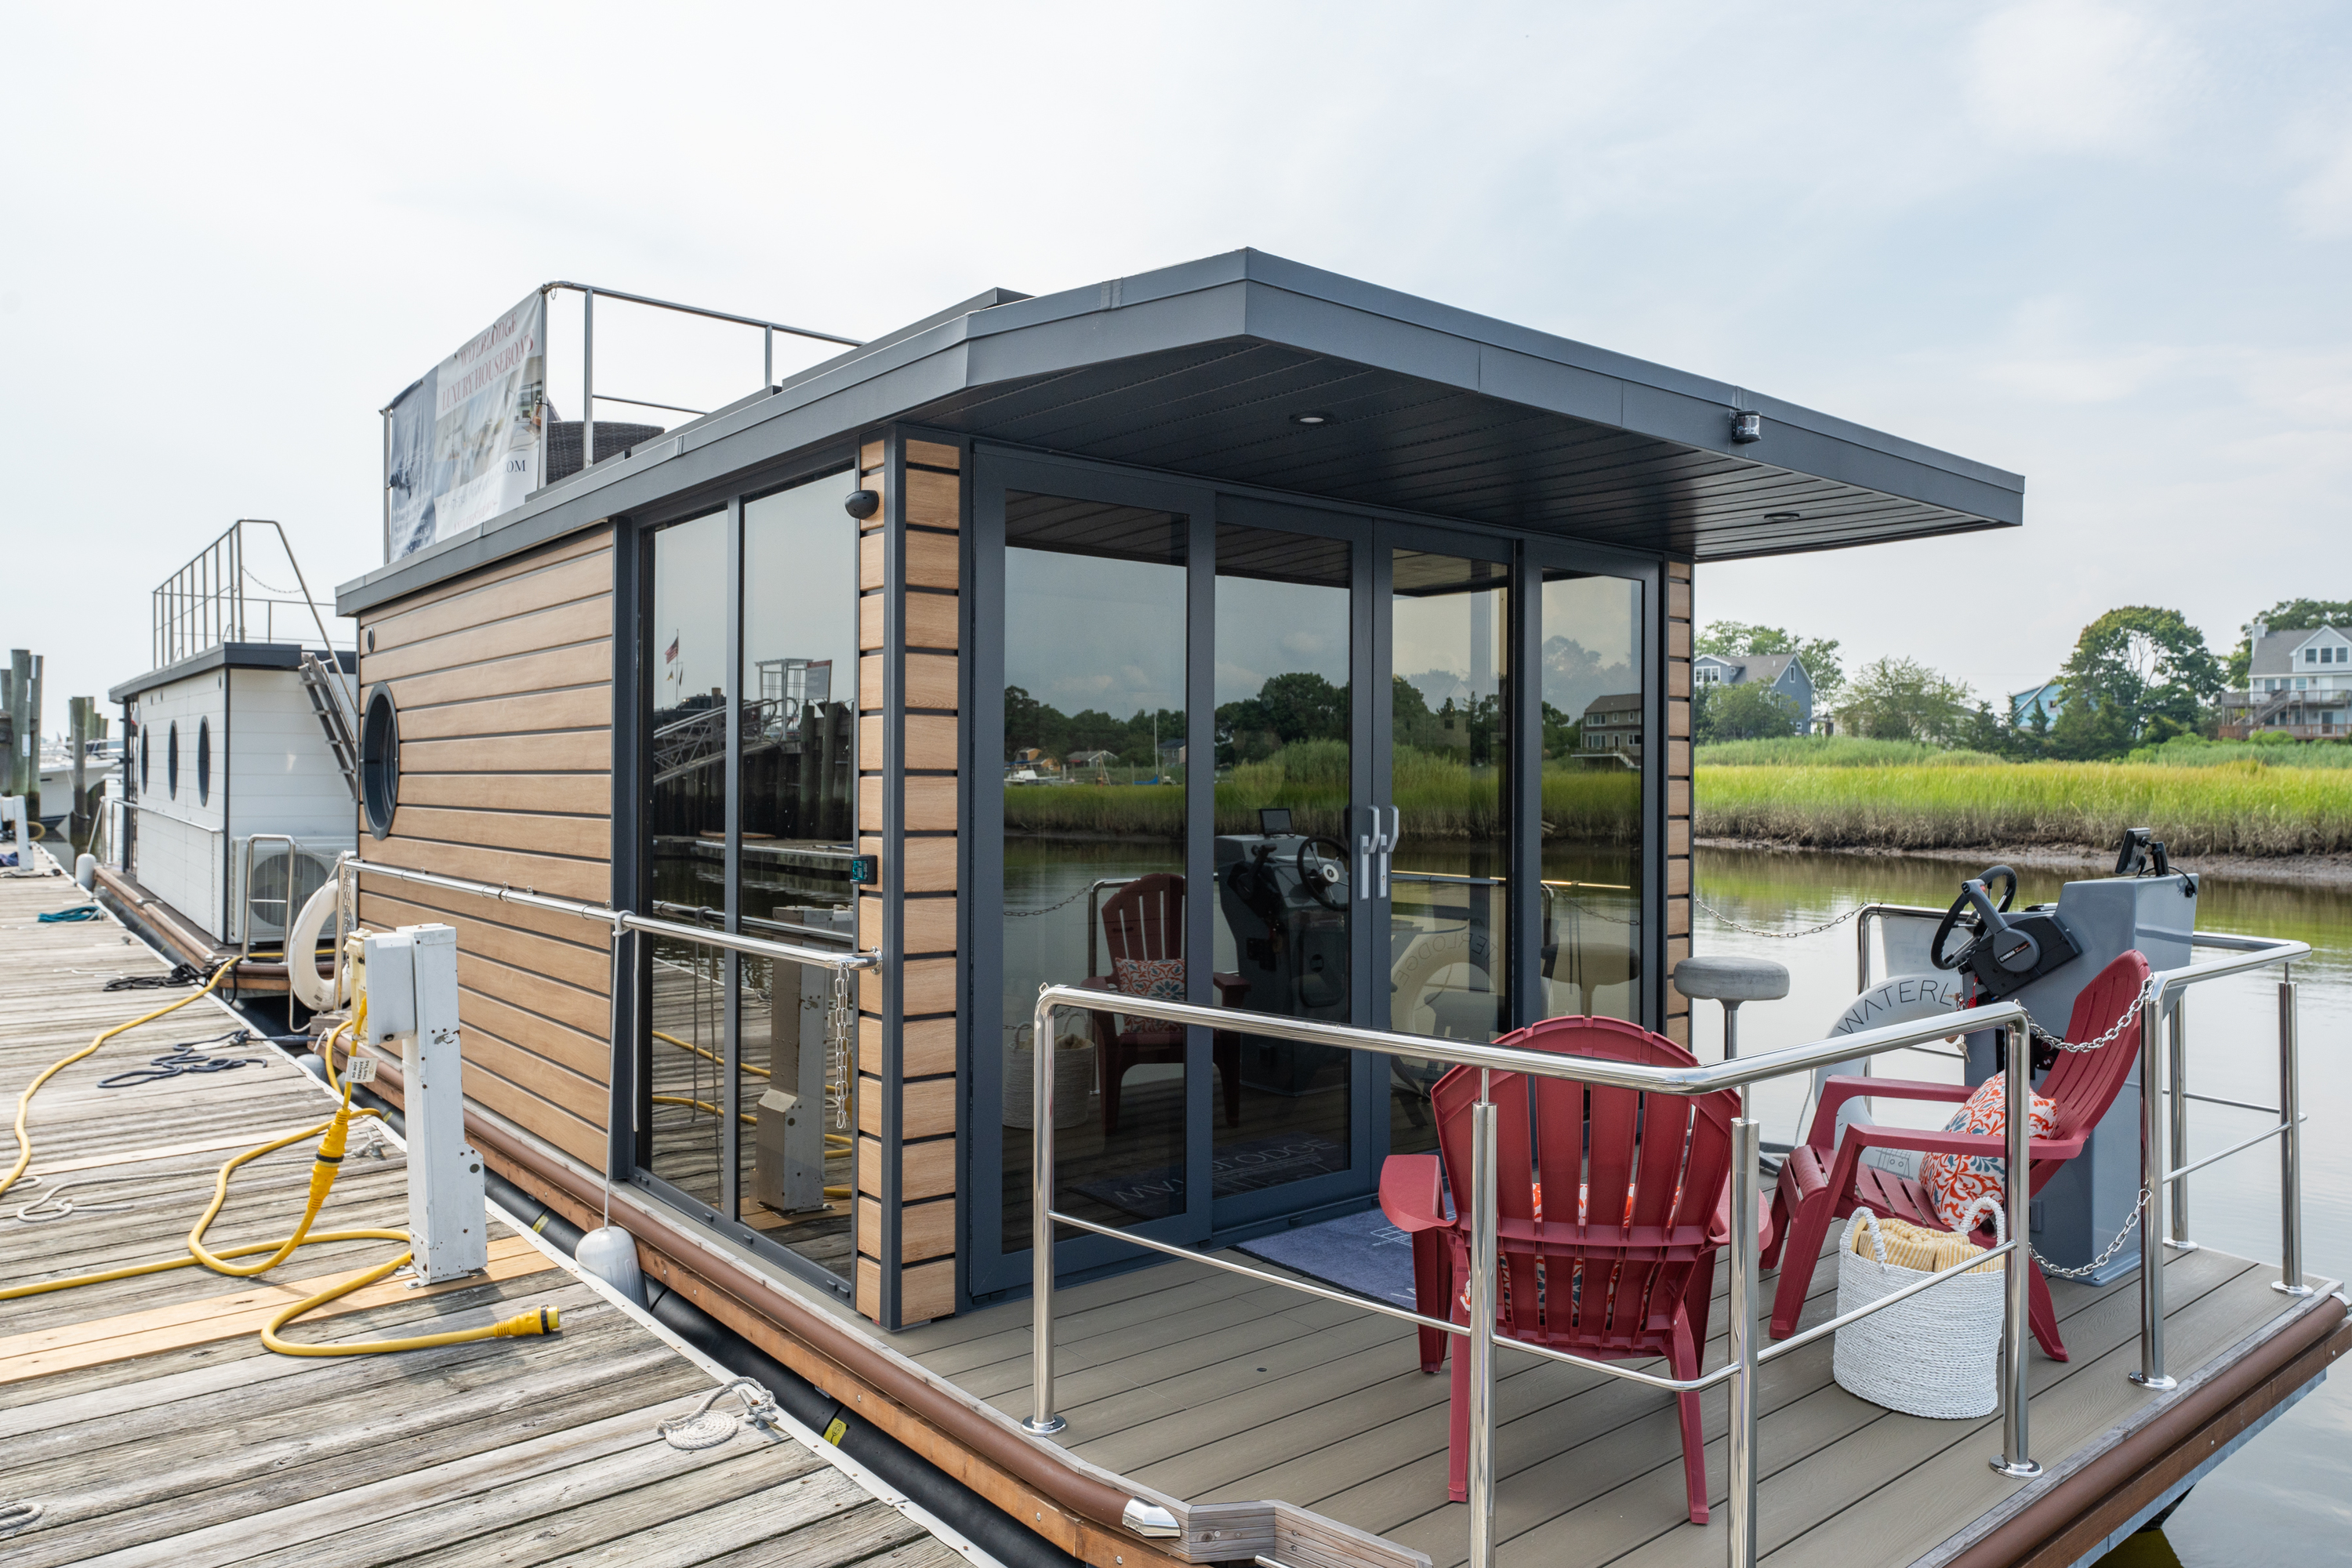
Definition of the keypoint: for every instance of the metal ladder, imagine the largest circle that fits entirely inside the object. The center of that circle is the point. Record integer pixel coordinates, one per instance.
(326, 702)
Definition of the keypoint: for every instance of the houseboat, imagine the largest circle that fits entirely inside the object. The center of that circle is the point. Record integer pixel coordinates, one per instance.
(769, 764)
(237, 783)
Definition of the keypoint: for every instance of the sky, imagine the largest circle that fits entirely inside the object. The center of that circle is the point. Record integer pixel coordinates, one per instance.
(2103, 245)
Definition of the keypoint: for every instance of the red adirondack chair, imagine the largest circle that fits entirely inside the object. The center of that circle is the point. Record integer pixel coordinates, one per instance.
(1824, 1180)
(1145, 920)
(1632, 1276)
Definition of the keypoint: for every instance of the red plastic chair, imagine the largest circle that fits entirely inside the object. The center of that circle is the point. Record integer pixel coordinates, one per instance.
(1824, 1180)
(1629, 1279)
(1145, 920)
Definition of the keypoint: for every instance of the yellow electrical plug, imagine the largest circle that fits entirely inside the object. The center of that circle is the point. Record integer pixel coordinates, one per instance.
(546, 1320)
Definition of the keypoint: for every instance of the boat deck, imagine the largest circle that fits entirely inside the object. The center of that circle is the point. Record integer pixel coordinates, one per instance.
(148, 1424)
(1210, 1387)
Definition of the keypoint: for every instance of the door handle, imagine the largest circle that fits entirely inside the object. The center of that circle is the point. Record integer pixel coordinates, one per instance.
(1367, 846)
(1389, 844)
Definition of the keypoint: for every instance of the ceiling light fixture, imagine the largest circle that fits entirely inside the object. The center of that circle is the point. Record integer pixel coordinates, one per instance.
(1783, 516)
(1310, 419)
(1747, 425)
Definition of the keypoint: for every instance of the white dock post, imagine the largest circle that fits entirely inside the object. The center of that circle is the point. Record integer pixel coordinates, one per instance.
(412, 991)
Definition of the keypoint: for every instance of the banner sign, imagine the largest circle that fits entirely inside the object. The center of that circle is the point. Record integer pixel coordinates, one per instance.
(465, 442)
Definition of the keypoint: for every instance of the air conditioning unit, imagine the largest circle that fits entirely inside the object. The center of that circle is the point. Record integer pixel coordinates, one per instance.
(263, 898)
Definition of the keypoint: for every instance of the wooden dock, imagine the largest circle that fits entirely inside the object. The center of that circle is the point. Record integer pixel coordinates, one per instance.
(147, 1424)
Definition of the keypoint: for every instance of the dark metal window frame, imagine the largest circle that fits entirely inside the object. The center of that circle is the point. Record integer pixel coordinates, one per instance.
(988, 1271)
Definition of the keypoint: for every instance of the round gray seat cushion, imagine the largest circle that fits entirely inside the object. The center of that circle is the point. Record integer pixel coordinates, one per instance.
(1724, 977)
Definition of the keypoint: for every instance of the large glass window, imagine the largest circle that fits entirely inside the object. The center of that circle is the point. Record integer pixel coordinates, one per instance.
(1449, 763)
(797, 785)
(1284, 721)
(687, 859)
(1593, 754)
(1094, 846)
(749, 1106)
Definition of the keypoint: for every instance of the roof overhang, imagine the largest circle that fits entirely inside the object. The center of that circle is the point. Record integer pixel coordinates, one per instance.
(1199, 368)
(228, 655)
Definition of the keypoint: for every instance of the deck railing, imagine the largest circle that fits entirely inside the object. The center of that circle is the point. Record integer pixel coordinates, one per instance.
(1747, 1355)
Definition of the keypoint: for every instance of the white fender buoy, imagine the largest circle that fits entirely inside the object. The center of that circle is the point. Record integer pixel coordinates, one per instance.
(1899, 999)
(302, 979)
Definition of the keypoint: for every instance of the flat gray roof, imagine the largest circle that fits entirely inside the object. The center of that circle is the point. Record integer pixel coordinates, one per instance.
(1198, 369)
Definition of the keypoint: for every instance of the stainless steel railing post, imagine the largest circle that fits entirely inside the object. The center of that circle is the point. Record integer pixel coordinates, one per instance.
(2153, 1156)
(1746, 1134)
(2177, 1055)
(2290, 1281)
(2016, 1457)
(1041, 1420)
(1481, 1347)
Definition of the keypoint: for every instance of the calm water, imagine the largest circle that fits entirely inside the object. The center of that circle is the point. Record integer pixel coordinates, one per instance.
(2286, 1495)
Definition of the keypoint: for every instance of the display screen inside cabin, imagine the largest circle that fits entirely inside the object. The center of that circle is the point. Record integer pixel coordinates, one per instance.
(1094, 846)
(774, 1153)
(1594, 751)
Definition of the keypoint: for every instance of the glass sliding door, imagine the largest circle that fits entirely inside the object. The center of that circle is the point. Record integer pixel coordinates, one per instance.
(1093, 835)
(1448, 829)
(686, 860)
(1286, 768)
(1595, 754)
(796, 789)
(745, 1114)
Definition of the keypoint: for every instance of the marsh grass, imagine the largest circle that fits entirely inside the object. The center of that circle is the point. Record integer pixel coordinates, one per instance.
(2242, 807)
(1838, 751)
(1440, 798)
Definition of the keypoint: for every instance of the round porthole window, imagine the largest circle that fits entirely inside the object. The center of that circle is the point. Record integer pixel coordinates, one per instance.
(380, 760)
(144, 749)
(204, 762)
(171, 761)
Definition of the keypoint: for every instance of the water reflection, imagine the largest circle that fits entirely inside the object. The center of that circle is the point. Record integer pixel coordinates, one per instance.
(2288, 1488)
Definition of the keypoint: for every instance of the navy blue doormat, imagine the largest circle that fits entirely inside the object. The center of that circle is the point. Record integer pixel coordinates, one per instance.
(1246, 1167)
(1360, 1252)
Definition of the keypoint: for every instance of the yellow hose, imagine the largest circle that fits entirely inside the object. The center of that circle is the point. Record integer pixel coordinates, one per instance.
(333, 1136)
(24, 1100)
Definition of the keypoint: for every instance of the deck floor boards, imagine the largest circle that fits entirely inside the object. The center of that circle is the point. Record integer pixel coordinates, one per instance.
(1210, 1387)
(512, 1452)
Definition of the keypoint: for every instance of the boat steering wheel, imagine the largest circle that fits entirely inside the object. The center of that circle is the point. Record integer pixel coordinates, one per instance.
(1322, 875)
(1974, 905)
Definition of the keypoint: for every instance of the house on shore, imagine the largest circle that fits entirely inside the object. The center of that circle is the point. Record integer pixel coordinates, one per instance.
(2299, 683)
(1783, 674)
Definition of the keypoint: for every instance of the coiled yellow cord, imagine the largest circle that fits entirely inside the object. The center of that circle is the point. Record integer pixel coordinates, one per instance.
(333, 1135)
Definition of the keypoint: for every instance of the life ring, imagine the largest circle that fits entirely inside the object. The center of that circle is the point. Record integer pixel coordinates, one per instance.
(1899, 999)
(304, 979)
(1430, 955)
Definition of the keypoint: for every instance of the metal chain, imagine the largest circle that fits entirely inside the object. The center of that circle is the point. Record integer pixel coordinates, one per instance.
(1782, 935)
(1049, 908)
(839, 1020)
(2147, 991)
(2099, 1262)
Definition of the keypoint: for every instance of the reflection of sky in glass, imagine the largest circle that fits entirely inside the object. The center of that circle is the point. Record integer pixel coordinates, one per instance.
(1450, 646)
(1266, 629)
(690, 598)
(1084, 631)
(800, 594)
(1591, 630)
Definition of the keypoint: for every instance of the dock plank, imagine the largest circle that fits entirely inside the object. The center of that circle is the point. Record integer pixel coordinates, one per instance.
(148, 1422)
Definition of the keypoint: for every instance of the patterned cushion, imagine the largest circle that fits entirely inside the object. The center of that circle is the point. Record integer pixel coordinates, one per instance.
(1156, 979)
(1955, 1181)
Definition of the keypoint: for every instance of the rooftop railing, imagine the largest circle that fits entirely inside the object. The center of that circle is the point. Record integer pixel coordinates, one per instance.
(1747, 1355)
(218, 598)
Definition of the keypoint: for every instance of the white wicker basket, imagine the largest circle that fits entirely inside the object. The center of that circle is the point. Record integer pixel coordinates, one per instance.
(1936, 1353)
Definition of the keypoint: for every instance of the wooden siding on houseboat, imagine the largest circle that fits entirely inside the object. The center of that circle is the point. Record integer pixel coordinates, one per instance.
(503, 681)
(907, 1103)
(1679, 790)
